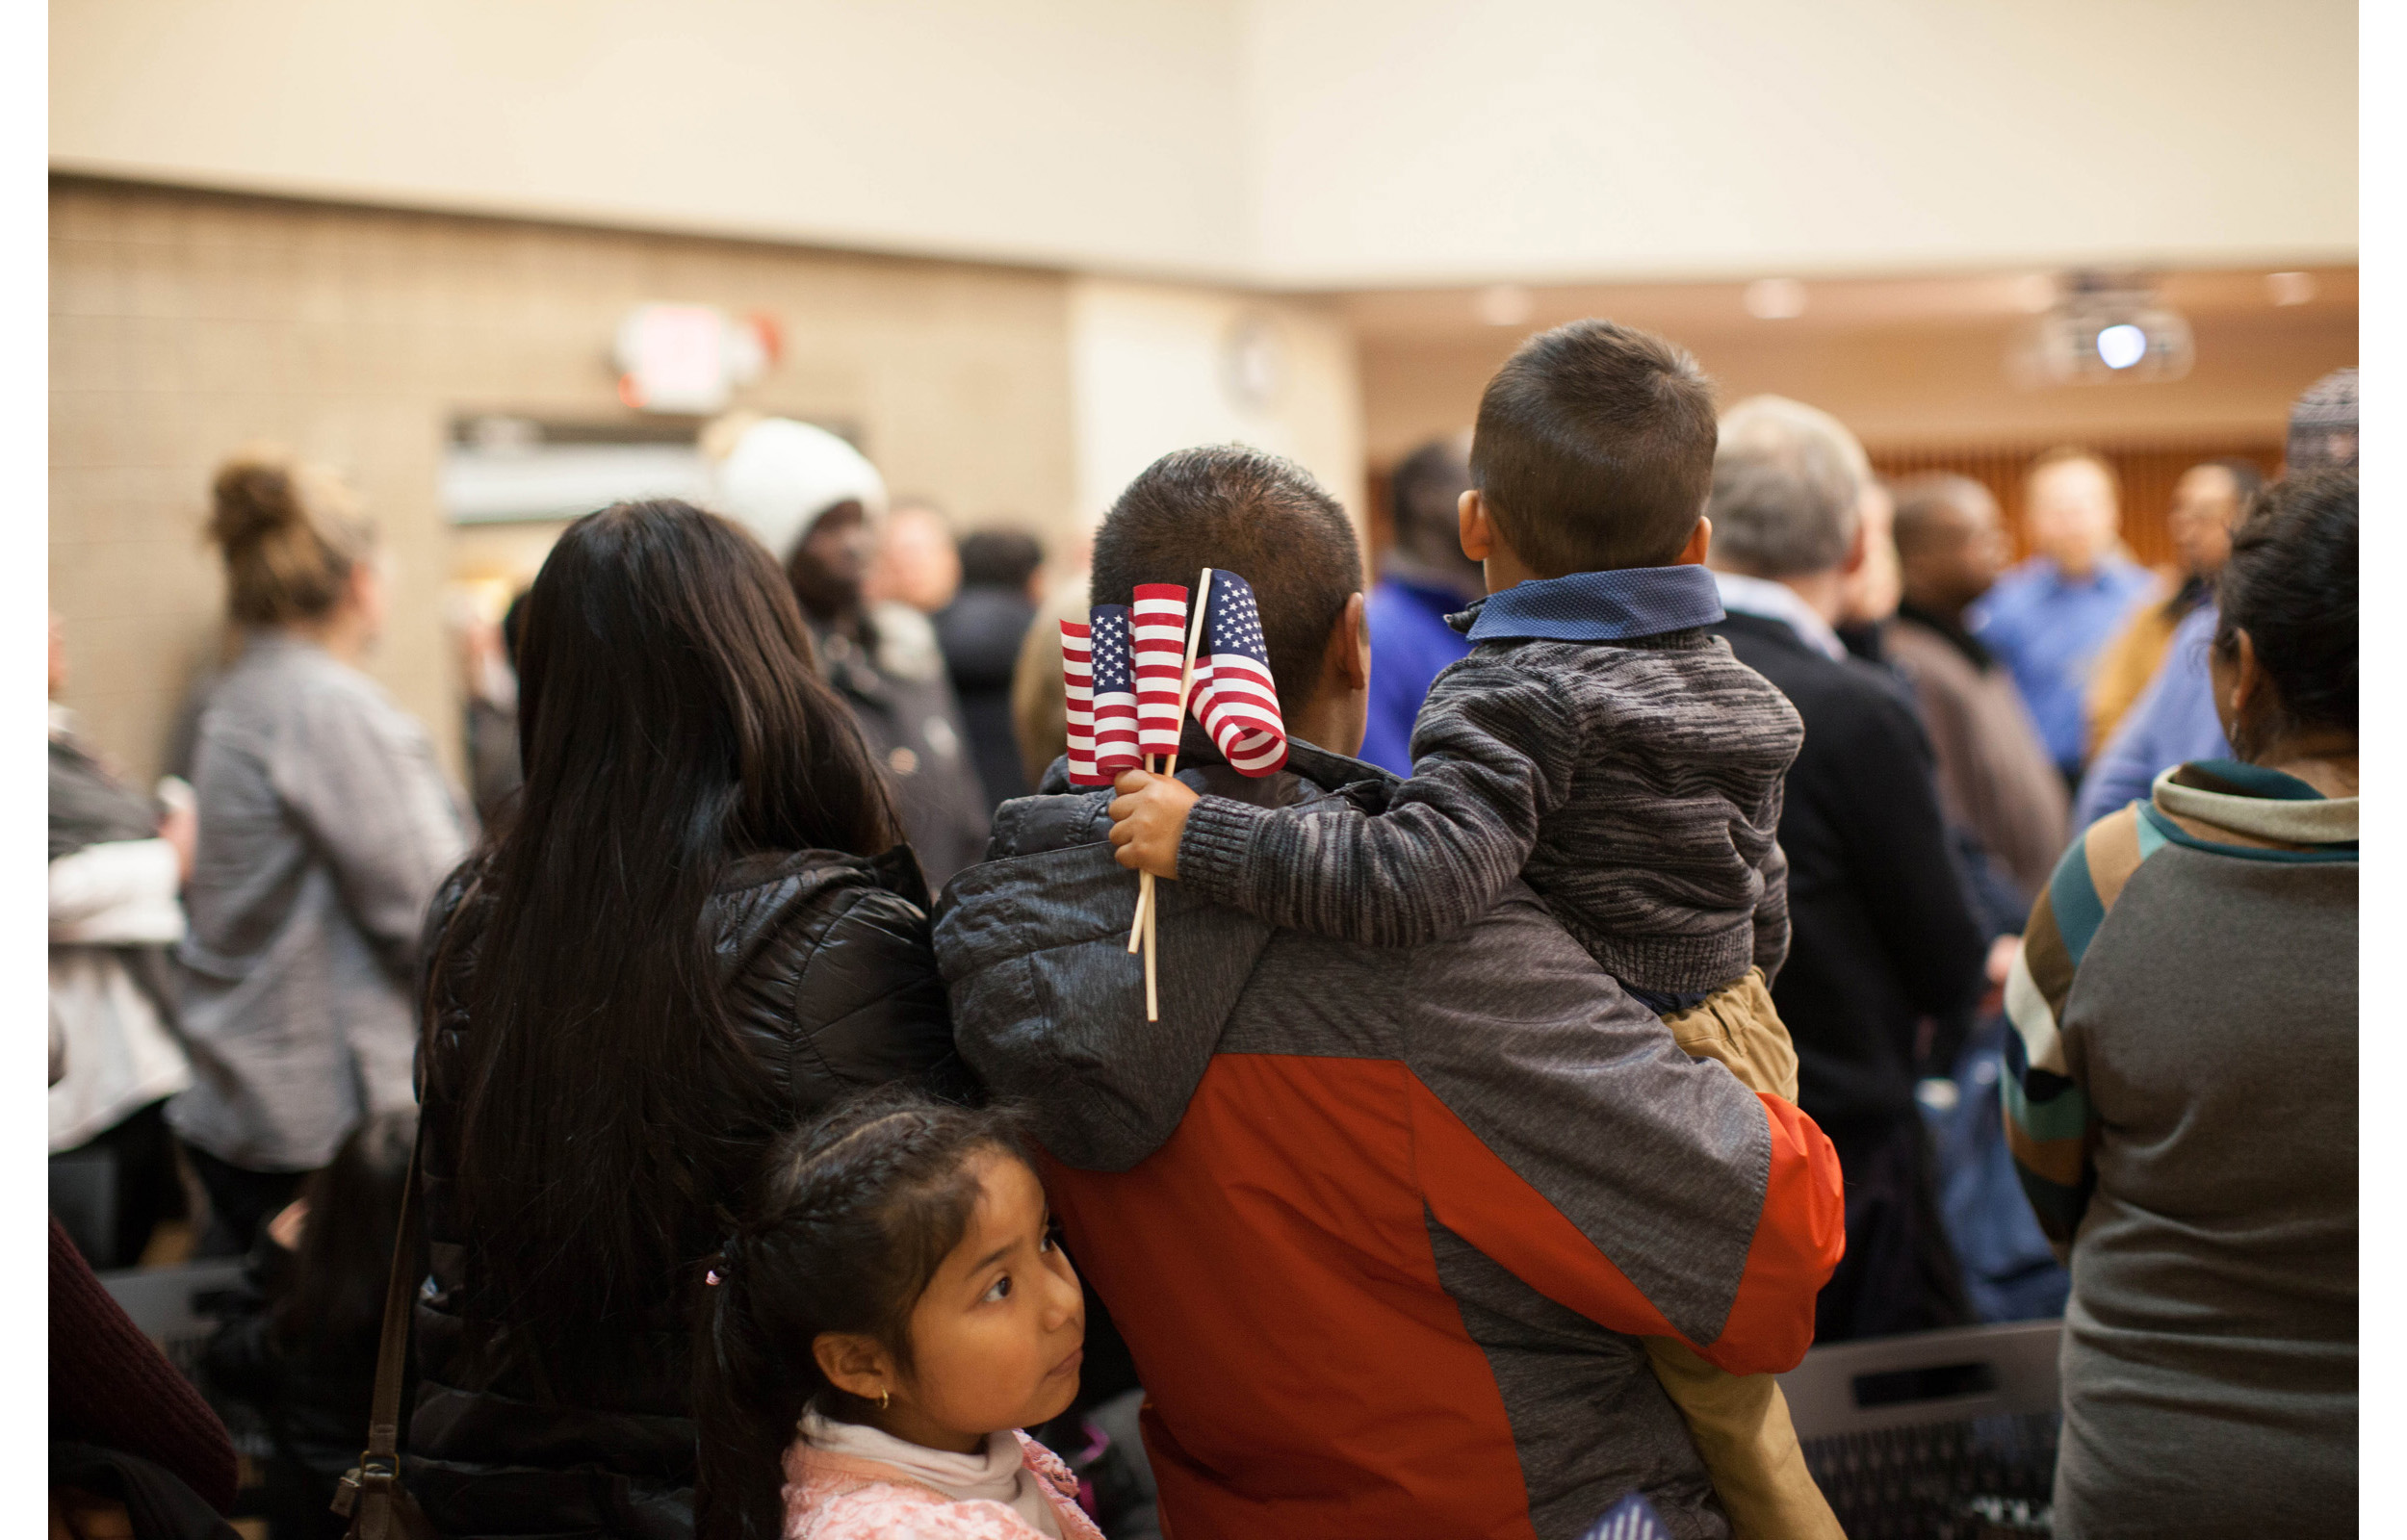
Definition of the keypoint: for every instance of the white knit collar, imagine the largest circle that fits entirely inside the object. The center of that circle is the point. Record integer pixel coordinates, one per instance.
(997, 1474)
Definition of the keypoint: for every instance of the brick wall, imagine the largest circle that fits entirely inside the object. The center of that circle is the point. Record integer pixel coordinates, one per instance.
(185, 325)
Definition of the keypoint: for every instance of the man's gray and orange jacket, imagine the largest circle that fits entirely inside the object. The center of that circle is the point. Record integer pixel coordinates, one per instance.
(1381, 1226)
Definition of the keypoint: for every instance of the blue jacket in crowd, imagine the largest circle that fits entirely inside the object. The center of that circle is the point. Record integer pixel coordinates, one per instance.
(2173, 722)
(1411, 643)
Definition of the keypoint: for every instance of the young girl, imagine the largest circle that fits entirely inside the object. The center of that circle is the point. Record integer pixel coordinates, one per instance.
(892, 1310)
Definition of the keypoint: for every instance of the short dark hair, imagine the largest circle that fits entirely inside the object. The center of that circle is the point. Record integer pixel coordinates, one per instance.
(1000, 559)
(1923, 498)
(1246, 511)
(2291, 586)
(1594, 448)
(1423, 491)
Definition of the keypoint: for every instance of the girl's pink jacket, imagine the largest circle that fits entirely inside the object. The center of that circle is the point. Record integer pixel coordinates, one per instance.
(838, 1497)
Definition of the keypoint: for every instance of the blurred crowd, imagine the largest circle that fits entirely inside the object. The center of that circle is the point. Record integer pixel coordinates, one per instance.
(264, 967)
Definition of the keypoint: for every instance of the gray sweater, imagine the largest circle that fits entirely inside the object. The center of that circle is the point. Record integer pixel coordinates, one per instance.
(2182, 1105)
(324, 827)
(1635, 784)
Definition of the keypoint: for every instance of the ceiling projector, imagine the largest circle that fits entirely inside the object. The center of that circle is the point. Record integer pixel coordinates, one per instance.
(2104, 326)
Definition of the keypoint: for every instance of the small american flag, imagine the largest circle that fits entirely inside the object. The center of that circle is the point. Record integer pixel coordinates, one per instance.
(1160, 626)
(1115, 691)
(1235, 700)
(1077, 680)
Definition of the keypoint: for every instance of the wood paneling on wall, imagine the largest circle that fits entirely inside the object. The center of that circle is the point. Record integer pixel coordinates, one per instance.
(2148, 473)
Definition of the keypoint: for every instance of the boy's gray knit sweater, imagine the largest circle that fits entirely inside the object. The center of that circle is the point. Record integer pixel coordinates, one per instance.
(1635, 784)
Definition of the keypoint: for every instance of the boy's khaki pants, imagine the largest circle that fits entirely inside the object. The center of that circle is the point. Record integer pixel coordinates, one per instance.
(1740, 1422)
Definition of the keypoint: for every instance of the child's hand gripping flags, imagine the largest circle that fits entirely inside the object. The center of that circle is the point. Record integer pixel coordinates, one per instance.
(1130, 675)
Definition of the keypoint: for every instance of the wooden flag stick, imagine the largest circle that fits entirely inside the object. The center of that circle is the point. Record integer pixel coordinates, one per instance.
(1139, 925)
(1153, 1006)
(1145, 899)
(1186, 680)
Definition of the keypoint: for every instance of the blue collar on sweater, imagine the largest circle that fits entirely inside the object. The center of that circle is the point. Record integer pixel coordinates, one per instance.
(1619, 606)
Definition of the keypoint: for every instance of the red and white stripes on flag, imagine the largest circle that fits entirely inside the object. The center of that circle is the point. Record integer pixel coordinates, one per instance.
(1114, 676)
(1158, 626)
(1077, 683)
(1235, 698)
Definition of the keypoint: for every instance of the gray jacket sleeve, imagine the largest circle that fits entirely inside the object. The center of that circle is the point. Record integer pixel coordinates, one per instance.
(360, 778)
(1493, 753)
(1772, 910)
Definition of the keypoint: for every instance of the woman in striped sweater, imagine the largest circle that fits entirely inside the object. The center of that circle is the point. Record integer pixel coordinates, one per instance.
(2181, 1096)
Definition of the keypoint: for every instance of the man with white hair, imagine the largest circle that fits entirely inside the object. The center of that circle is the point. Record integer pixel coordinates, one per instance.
(817, 504)
(1882, 935)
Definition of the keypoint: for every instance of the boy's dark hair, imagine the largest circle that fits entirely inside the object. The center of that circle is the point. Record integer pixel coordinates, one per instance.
(1594, 448)
(848, 1222)
(1245, 511)
(2291, 586)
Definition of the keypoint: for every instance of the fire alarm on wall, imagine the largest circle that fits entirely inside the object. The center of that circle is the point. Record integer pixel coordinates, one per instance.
(689, 358)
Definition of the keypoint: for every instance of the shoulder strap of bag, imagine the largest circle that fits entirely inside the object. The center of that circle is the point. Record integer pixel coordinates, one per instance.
(371, 1495)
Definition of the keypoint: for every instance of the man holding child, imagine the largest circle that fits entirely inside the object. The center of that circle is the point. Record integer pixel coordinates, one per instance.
(1455, 1236)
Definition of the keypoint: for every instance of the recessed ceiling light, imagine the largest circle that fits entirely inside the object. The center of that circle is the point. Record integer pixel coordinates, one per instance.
(2291, 287)
(1775, 298)
(1503, 304)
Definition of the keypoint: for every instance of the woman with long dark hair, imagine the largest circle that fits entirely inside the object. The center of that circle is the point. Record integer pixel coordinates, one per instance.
(696, 929)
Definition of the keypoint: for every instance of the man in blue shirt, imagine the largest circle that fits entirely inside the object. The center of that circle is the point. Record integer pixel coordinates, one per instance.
(1424, 578)
(2050, 616)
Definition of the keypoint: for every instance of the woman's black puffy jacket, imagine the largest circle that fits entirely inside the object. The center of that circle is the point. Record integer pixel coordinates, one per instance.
(833, 984)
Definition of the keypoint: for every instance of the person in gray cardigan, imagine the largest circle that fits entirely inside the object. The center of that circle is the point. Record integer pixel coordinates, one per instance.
(324, 829)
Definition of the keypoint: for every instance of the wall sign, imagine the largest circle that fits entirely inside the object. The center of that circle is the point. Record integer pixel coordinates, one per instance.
(691, 358)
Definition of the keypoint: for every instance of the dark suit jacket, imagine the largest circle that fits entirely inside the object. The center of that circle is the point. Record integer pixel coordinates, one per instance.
(1880, 933)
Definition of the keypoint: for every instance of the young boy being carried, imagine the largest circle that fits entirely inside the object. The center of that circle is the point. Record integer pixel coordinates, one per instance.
(1599, 744)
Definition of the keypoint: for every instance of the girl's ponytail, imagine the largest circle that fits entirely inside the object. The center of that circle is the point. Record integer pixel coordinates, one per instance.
(851, 1218)
(749, 1393)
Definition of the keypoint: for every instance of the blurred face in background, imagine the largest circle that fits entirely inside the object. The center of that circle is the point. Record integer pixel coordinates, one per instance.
(58, 655)
(1956, 553)
(917, 562)
(826, 568)
(2205, 504)
(2071, 511)
(367, 598)
(1873, 589)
